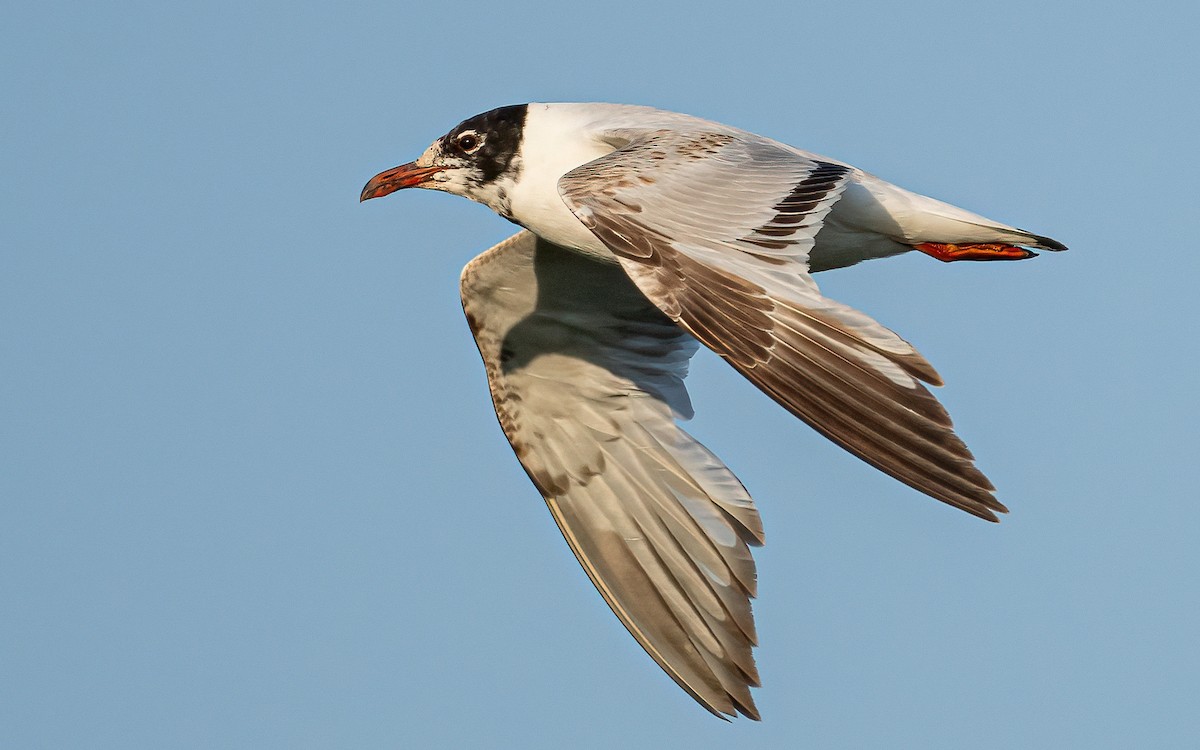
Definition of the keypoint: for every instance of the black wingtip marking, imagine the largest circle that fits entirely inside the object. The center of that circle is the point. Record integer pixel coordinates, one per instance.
(1048, 244)
(794, 209)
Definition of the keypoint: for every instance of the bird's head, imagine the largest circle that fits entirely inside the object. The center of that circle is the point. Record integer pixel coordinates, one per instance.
(476, 160)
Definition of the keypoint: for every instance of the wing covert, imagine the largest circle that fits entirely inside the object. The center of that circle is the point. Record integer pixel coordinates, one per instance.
(716, 231)
(587, 381)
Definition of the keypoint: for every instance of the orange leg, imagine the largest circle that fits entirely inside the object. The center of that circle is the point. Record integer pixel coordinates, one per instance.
(947, 253)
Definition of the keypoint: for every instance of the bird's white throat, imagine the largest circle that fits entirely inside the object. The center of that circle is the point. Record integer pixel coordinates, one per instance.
(557, 138)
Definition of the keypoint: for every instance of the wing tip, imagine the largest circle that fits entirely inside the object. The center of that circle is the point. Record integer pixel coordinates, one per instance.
(986, 510)
(734, 709)
(1047, 243)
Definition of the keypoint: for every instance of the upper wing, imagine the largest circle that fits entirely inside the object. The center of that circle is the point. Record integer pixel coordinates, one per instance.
(587, 380)
(716, 230)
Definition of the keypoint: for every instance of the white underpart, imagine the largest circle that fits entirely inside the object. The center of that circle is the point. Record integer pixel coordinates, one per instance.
(556, 140)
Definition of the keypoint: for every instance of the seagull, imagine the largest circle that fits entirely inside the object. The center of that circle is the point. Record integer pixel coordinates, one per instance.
(646, 234)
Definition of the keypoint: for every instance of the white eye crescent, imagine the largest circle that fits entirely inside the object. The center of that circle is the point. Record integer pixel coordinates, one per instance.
(468, 141)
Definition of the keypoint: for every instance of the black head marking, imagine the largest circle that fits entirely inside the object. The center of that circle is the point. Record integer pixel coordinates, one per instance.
(500, 131)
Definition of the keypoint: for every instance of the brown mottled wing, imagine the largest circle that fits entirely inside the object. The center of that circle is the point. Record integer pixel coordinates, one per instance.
(716, 230)
(587, 380)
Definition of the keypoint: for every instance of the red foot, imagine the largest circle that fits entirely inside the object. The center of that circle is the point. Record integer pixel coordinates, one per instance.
(947, 253)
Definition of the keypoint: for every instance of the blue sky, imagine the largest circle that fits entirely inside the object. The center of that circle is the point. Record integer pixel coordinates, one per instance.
(252, 492)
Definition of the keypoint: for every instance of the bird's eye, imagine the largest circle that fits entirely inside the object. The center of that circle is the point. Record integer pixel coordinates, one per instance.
(468, 142)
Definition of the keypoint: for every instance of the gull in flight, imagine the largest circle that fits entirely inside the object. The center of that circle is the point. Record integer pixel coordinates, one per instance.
(645, 235)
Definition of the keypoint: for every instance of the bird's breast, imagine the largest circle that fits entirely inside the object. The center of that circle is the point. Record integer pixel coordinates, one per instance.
(540, 209)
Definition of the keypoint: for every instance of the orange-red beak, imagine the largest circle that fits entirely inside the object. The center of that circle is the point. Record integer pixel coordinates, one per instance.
(398, 178)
